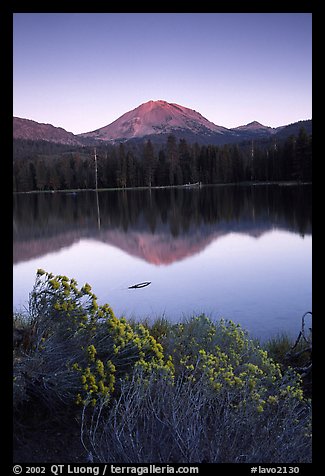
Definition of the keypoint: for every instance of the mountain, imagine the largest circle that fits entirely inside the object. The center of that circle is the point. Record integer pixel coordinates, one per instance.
(255, 128)
(294, 128)
(160, 118)
(28, 129)
(155, 120)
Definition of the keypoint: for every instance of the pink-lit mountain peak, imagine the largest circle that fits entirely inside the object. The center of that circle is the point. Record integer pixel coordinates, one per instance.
(155, 117)
(155, 112)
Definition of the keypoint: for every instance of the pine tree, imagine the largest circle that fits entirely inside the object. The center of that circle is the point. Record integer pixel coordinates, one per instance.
(302, 163)
(121, 167)
(172, 158)
(149, 163)
(41, 175)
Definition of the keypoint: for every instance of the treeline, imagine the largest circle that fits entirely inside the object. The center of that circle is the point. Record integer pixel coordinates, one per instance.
(56, 167)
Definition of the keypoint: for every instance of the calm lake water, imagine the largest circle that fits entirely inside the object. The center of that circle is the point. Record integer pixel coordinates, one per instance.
(238, 252)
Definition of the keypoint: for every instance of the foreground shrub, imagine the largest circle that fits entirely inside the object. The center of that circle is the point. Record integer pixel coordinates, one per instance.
(78, 350)
(228, 402)
(199, 391)
(186, 422)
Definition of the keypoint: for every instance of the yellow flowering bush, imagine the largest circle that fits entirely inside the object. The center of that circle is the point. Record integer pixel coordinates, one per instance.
(227, 402)
(195, 386)
(222, 356)
(86, 346)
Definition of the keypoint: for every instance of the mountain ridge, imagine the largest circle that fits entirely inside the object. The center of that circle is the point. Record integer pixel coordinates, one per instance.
(154, 120)
(29, 129)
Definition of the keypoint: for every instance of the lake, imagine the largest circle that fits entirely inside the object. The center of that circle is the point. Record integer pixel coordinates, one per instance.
(239, 252)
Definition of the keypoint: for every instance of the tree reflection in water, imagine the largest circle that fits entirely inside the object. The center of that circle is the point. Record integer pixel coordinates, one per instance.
(50, 221)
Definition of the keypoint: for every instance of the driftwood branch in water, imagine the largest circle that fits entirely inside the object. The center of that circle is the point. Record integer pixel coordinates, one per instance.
(140, 285)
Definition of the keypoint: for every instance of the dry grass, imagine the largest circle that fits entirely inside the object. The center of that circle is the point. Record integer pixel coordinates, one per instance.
(188, 423)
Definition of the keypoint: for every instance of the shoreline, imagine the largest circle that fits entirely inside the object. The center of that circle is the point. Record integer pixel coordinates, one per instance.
(160, 187)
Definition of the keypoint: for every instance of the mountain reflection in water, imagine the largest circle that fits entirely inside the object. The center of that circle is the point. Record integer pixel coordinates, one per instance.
(239, 252)
(160, 226)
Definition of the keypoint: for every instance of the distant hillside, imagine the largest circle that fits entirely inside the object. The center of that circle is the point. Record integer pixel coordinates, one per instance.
(28, 129)
(294, 128)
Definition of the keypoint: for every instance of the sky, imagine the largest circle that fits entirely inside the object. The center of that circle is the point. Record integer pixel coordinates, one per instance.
(82, 71)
